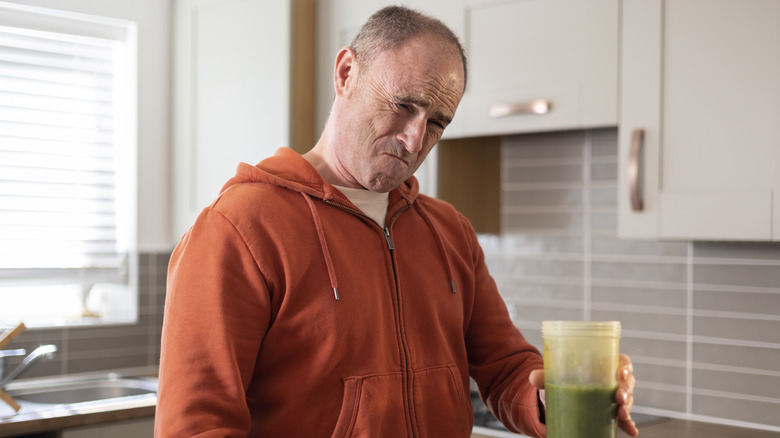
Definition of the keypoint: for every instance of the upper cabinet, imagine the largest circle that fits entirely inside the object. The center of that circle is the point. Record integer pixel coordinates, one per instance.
(700, 107)
(237, 80)
(526, 57)
(231, 94)
(539, 65)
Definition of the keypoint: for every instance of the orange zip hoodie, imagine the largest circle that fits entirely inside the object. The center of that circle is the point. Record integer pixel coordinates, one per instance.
(290, 314)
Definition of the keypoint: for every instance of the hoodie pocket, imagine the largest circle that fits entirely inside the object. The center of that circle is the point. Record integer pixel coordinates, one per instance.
(441, 406)
(373, 406)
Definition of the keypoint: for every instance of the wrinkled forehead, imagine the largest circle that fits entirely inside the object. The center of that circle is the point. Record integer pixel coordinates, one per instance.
(423, 69)
(418, 50)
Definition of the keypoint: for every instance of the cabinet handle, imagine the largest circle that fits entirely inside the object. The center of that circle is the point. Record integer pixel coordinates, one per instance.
(539, 106)
(635, 170)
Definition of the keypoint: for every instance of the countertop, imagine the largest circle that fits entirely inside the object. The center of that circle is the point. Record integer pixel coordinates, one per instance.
(31, 423)
(668, 427)
(674, 428)
(36, 418)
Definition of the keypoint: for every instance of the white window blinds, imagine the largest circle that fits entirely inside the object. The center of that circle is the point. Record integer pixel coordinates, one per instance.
(67, 135)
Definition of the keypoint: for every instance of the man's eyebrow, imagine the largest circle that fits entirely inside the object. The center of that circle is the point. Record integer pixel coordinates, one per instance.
(425, 103)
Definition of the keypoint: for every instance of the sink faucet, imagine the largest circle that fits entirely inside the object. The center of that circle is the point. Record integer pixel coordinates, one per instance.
(9, 353)
(44, 351)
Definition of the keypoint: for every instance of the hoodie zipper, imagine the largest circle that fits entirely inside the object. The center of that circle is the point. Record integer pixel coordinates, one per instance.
(401, 331)
(399, 315)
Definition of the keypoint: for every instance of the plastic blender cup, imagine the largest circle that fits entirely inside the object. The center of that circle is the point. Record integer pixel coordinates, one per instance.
(580, 378)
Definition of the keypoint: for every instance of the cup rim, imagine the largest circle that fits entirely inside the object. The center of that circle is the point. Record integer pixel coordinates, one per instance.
(581, 328)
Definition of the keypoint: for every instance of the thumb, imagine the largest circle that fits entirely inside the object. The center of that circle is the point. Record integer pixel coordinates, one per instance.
(537, 379)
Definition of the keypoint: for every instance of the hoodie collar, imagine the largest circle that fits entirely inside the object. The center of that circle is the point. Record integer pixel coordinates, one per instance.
(286, 168)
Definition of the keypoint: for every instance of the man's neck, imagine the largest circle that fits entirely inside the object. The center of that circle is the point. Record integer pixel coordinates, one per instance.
(317, 157)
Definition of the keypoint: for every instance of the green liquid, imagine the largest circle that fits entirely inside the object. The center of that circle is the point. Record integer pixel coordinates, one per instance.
(580, 411)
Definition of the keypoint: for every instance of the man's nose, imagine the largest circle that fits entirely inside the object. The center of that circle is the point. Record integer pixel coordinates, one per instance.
(413, 134)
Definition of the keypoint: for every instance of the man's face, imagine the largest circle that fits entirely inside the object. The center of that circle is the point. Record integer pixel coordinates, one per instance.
(395, 111)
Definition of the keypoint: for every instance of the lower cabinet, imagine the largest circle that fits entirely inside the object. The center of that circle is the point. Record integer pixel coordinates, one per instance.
(140, 428)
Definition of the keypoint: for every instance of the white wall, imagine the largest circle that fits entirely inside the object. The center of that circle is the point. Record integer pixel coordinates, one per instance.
(154, 70)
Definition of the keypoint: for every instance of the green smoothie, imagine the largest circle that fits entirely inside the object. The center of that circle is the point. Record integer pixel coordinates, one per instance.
(580, 411)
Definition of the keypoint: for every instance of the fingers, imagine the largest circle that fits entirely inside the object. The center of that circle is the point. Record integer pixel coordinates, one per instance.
(625, 396)
(626, 380)
(537, 379)
(624, 364)
(625, 422)
(628, 426)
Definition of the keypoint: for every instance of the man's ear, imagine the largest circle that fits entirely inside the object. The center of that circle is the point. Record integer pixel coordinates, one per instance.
(345, 72)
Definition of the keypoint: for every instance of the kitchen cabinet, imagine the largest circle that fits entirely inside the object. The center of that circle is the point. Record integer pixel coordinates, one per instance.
(123, 429)
(563, 52)
(230, 105)
(240, 91)
(558, 58)
(540, 65)
(699, 146)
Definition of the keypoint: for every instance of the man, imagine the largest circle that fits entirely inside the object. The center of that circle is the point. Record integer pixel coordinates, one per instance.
(323, 296)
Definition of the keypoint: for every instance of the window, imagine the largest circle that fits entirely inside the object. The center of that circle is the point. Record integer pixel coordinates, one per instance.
(67, 167)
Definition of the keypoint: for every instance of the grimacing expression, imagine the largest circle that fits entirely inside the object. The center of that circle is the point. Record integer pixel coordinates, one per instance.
(397, 109)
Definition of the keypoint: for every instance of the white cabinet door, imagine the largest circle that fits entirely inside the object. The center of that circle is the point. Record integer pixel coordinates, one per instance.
(231, 94)
(563, 52)
(700, 80)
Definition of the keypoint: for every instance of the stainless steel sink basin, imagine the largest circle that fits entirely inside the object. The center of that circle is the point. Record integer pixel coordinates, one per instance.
(86, 391)
(105, 388)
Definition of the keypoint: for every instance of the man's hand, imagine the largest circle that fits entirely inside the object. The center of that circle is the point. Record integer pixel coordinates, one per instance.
(624, 395)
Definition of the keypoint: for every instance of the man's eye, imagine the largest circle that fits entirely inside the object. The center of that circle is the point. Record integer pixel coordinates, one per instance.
(437, 123)
(403, 106)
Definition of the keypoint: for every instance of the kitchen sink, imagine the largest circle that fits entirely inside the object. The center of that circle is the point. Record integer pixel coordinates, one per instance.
(54, 403)
(86, 391)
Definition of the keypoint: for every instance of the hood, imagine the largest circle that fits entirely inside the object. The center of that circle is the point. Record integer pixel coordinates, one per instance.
(288, 169)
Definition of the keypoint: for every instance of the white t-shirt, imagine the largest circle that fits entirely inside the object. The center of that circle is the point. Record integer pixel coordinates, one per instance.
(373, 204)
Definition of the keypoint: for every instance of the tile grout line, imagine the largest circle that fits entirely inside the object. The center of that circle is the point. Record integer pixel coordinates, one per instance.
(151, 261)
(689, 331)
(504, 184)
(587, 225)
(65, 347)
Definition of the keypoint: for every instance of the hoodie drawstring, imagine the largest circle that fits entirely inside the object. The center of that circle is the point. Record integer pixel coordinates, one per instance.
(439, 243)
(329, 261)
(325, 252)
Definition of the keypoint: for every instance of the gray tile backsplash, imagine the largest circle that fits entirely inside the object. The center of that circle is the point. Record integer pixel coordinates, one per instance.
(701, 320)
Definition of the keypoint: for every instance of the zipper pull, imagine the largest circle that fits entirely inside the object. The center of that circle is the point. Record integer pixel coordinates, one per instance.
(389, 239)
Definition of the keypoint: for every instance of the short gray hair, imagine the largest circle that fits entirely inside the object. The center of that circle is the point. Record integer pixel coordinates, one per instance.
(390, 27)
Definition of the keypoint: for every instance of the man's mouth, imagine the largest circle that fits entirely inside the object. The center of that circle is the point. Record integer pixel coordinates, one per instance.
(399, 158)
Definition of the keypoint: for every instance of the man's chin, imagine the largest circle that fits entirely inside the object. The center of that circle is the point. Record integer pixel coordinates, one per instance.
(382, 183)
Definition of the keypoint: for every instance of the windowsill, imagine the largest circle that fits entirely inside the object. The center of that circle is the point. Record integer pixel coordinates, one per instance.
(78, 323)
